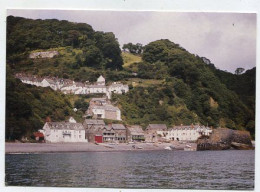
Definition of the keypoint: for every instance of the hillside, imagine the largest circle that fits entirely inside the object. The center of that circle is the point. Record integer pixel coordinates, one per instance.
(167, 83)
(99, 49)
(190, 92)
(129, 59)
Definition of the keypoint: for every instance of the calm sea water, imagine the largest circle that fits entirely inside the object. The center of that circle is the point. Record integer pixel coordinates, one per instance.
(142, 169)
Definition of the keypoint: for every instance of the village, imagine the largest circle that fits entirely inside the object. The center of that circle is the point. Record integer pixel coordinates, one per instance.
(94, 129)
(68, 86)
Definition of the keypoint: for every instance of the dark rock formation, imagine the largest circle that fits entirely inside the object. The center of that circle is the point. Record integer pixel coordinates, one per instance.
(223, 139)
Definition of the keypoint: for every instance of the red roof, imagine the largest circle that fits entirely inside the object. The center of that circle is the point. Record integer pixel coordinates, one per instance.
(38, 134)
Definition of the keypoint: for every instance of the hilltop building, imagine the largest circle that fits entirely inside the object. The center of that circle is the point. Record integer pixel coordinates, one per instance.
(71, 87)
(101, 80)
(118, 88)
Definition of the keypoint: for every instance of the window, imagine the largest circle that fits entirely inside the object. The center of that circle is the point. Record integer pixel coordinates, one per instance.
(79, 136)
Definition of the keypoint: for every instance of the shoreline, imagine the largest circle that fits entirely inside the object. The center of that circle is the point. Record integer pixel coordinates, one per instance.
(34, 148)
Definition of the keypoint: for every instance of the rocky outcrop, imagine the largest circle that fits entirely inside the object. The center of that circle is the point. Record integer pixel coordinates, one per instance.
(223, 139)
(46, 54)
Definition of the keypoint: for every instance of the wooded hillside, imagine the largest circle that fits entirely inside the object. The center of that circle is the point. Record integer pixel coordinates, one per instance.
(167, 83)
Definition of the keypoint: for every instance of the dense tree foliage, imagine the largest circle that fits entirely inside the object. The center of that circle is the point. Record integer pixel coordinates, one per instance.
(192, 84)
(100, 49)
(27, 107)
(133, 48)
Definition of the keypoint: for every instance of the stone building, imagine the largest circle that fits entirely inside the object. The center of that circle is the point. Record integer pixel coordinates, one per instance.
(151, 132)
(94, 129)
(98, 132)
(99, 101)
(135, 133)
(114, 133)
(105, 112)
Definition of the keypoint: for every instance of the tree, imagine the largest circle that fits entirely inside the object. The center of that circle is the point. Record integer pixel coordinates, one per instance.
(94, 57)
(239, 71)
(133, 48)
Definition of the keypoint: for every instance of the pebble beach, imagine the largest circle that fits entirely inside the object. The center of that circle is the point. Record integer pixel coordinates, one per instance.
(85, 147)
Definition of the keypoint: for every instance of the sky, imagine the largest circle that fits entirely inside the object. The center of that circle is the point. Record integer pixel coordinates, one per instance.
(227, 39)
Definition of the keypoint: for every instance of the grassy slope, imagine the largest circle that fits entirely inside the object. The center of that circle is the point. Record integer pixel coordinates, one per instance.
(129, 59)
(138, 82)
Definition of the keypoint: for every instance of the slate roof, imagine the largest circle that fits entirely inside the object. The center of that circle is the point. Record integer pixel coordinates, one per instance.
(94, 122)
(118, 126)
(65, 125)
(96, 86)
(106, 107)
(183, 127)
(115, 127)
(98, 99)
(157, 126)
(135, 129)
(50, 81)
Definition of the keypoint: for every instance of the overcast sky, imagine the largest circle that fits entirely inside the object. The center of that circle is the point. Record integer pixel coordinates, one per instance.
(227, 39)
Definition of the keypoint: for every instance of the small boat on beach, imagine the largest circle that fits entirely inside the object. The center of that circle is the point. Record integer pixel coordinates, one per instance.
(168, 148)
(189, 148)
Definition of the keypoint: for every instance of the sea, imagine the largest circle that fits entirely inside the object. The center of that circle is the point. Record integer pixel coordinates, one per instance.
(228, 170)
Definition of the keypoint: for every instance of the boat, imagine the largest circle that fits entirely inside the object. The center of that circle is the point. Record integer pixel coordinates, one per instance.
(168, 148)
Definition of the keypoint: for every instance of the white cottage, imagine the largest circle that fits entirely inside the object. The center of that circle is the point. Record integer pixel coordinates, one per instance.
(101, 80)
(96, 89)
(47, 82)
(55, 132)
(185, 133)
(118, 88)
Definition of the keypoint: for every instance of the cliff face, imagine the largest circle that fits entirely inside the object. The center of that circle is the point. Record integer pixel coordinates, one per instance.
(223, 139)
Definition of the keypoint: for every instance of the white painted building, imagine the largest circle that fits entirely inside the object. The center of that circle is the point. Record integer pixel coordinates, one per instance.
(55, 132)
(96, 89)
(101, 80)
(67, 86)
(47, 82)
(118, 88)
(185, 133)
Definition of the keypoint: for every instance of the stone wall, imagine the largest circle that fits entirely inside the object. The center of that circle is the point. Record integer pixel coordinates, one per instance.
(111, 115)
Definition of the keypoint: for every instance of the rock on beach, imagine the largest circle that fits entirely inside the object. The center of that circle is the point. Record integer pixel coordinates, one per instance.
(223, 139)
